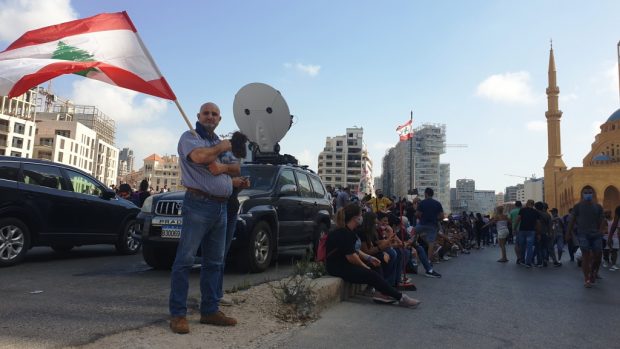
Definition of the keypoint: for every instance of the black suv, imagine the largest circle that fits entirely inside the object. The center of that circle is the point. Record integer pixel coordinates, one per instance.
(48, 204)
(285, 209)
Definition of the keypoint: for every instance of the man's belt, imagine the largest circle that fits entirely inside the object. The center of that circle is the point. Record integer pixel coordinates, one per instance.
(206, 195)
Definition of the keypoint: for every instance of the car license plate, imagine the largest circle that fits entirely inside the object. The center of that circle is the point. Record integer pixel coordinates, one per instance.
(171, 232)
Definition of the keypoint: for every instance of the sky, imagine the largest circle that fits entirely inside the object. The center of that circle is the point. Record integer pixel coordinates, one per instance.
(479, 67)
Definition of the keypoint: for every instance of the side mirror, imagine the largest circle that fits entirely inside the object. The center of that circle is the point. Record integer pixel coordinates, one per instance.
(108, 194)
(288, 190)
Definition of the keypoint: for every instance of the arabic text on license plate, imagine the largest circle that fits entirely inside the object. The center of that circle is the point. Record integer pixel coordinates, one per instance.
(171, 231)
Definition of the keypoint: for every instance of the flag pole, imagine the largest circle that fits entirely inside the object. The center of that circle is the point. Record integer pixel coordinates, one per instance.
(411, 183)
(148, 55)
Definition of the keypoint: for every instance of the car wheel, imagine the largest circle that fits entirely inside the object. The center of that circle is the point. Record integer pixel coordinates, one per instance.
(158, 257)
(126, 243)
(62, 248)
(14, 241)
(257, 254)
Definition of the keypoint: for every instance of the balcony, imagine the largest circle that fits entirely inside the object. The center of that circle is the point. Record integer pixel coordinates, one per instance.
(4, 128)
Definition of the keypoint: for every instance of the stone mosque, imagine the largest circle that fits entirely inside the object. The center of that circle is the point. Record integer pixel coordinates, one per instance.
(601, 166)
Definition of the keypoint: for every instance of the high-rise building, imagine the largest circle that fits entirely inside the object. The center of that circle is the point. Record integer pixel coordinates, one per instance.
(484, 202)
(17, 125)
(510, 194)
(126, 155)
(465, 189)
(499, 199)
(426, 146)
(345, 162)
(533, 189)
(443, 196)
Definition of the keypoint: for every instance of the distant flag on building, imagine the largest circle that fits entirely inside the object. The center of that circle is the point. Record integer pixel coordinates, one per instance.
(405, 131)
(105, 47)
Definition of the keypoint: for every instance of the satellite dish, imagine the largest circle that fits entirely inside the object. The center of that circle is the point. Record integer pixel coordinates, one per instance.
(261, 113)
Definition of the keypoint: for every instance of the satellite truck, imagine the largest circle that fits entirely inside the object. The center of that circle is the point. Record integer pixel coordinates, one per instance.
(284, 212)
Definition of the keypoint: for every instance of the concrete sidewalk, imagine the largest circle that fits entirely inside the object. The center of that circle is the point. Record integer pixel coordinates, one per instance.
(255, 310)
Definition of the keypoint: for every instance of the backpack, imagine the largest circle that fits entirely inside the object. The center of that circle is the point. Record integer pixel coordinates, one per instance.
(321, 251)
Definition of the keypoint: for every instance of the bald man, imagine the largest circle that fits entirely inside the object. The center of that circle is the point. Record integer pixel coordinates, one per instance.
(208, 180)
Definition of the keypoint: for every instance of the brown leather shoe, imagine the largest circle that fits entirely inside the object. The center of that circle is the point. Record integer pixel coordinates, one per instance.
(218, 319)
(179, 325)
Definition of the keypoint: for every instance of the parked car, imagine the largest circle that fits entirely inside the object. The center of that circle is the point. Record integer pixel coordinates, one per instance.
(48, 204)
(284, 211)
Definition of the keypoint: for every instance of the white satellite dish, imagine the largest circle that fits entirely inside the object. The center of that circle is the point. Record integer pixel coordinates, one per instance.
(261, 113)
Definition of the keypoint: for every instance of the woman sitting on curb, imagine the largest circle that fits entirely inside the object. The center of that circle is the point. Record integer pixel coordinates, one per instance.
(344, 262)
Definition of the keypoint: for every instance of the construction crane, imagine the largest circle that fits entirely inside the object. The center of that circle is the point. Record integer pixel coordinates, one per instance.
(524, 177)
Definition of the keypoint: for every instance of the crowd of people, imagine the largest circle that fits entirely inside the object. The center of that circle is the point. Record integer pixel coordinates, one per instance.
(378, 240)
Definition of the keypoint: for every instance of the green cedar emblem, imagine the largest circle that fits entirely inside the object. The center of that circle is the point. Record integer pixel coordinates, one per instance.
(71, 53)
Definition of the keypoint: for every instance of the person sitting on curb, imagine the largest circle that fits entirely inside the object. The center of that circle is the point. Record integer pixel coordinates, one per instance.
(344, 262)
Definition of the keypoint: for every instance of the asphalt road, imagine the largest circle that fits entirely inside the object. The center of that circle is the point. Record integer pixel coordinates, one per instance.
(479, 303)
(53, 301)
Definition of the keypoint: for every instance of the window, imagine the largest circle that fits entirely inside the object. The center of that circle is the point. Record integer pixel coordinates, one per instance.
(19, 128)
(64, 133)
(287, 177)
(59, 156)
(319, 191)
(29, 131)
(83, 184)
(304, 185)
(16, 153)
(42, 175)
(18, 142)
(9, 171)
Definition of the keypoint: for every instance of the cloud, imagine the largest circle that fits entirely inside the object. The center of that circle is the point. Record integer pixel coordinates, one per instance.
(507, 87)
(122, 105)
(19, 16)
(568, 97)
(307, 69)
(537, 126)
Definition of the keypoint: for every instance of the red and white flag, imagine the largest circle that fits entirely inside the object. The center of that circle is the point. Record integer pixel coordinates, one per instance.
(405, 131)
(104, 47)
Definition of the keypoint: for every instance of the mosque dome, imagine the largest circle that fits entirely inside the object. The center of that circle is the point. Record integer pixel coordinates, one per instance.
(602, 157)
(615, 116)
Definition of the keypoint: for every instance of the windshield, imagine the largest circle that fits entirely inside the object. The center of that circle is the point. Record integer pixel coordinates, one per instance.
(261, 177)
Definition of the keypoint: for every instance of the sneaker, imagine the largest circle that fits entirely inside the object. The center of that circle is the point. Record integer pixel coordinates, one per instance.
(588, 284)
(432, 274)
(178, 324)
(217, 319)
(406, 287)
(383, 299)
(557, 264)
(528, 266)
(446, 258)
(614, 267)
(408, 302)
(538, 265)
(605, 265)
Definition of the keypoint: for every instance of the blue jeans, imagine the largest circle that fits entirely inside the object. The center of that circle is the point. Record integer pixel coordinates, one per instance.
(231, 224)
(526, 245)
(390, 270)
(204, 226)
(424, 258)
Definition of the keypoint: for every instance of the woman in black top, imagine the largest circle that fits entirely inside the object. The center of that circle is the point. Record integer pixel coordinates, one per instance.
(345, 262)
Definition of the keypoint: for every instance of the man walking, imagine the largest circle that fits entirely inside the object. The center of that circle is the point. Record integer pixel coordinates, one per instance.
(343, 198)
(209, 186)
(528, 222)
(429, 213)
(590, 219)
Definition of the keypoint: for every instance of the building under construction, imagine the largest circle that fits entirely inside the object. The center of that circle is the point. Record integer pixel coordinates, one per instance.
(426, 146)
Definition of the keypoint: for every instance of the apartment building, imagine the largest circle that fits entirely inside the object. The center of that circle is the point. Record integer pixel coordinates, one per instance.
(17, 125)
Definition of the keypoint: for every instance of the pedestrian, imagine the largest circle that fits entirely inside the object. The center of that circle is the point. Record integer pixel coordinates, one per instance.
(527, 220)
(588, 215)
(613, 242)
(502, 222)
(380, 203)
(515, 226)
(209, 185)
(545, 238)
(429, 213)
(343, 198)
(558, 230)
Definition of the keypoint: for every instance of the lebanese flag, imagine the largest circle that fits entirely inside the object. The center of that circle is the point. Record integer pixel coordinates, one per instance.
(405, 131)
(105, 47)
